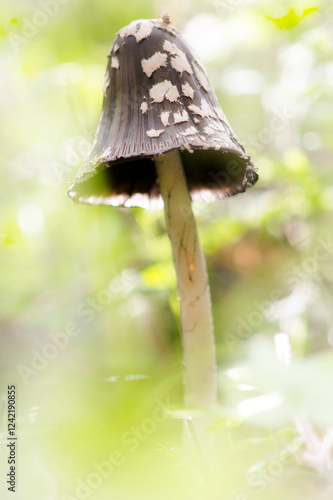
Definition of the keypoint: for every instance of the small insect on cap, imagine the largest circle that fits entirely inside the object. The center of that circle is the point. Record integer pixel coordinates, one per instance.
(157, 97)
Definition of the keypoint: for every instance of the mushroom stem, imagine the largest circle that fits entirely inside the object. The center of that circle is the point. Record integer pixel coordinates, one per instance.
(199, 360)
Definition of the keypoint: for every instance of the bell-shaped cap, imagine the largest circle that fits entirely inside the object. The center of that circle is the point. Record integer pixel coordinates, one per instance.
(157, 97)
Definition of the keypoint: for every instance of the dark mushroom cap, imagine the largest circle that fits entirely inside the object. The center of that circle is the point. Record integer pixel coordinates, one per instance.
(157, 97)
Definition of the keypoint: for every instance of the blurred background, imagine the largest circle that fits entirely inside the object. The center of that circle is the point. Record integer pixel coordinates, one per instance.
(89, 313)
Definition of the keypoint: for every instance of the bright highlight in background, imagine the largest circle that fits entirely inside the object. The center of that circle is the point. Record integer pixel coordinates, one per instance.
(258, 404)
(31, 218)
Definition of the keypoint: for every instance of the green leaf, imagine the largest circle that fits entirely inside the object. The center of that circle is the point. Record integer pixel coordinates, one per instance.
(291, 19)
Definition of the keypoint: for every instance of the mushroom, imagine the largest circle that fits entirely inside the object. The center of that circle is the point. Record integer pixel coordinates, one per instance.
(163, 139)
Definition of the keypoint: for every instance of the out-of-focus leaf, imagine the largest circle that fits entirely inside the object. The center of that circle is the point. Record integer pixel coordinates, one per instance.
(291, 19)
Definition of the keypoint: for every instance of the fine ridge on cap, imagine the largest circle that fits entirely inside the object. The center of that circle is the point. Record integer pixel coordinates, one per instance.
(158, 97)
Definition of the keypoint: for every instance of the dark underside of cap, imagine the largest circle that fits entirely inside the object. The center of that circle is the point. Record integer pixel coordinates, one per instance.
(210, 175)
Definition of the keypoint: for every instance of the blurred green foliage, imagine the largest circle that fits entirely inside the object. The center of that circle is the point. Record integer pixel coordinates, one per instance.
(89, 311)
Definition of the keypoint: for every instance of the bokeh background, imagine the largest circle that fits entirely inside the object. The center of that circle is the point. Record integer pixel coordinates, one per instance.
(89, 312)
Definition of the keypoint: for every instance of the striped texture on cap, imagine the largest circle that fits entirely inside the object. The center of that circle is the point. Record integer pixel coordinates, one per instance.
(158, 97)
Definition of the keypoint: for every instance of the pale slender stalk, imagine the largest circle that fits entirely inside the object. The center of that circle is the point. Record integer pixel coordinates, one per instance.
(197, 330)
